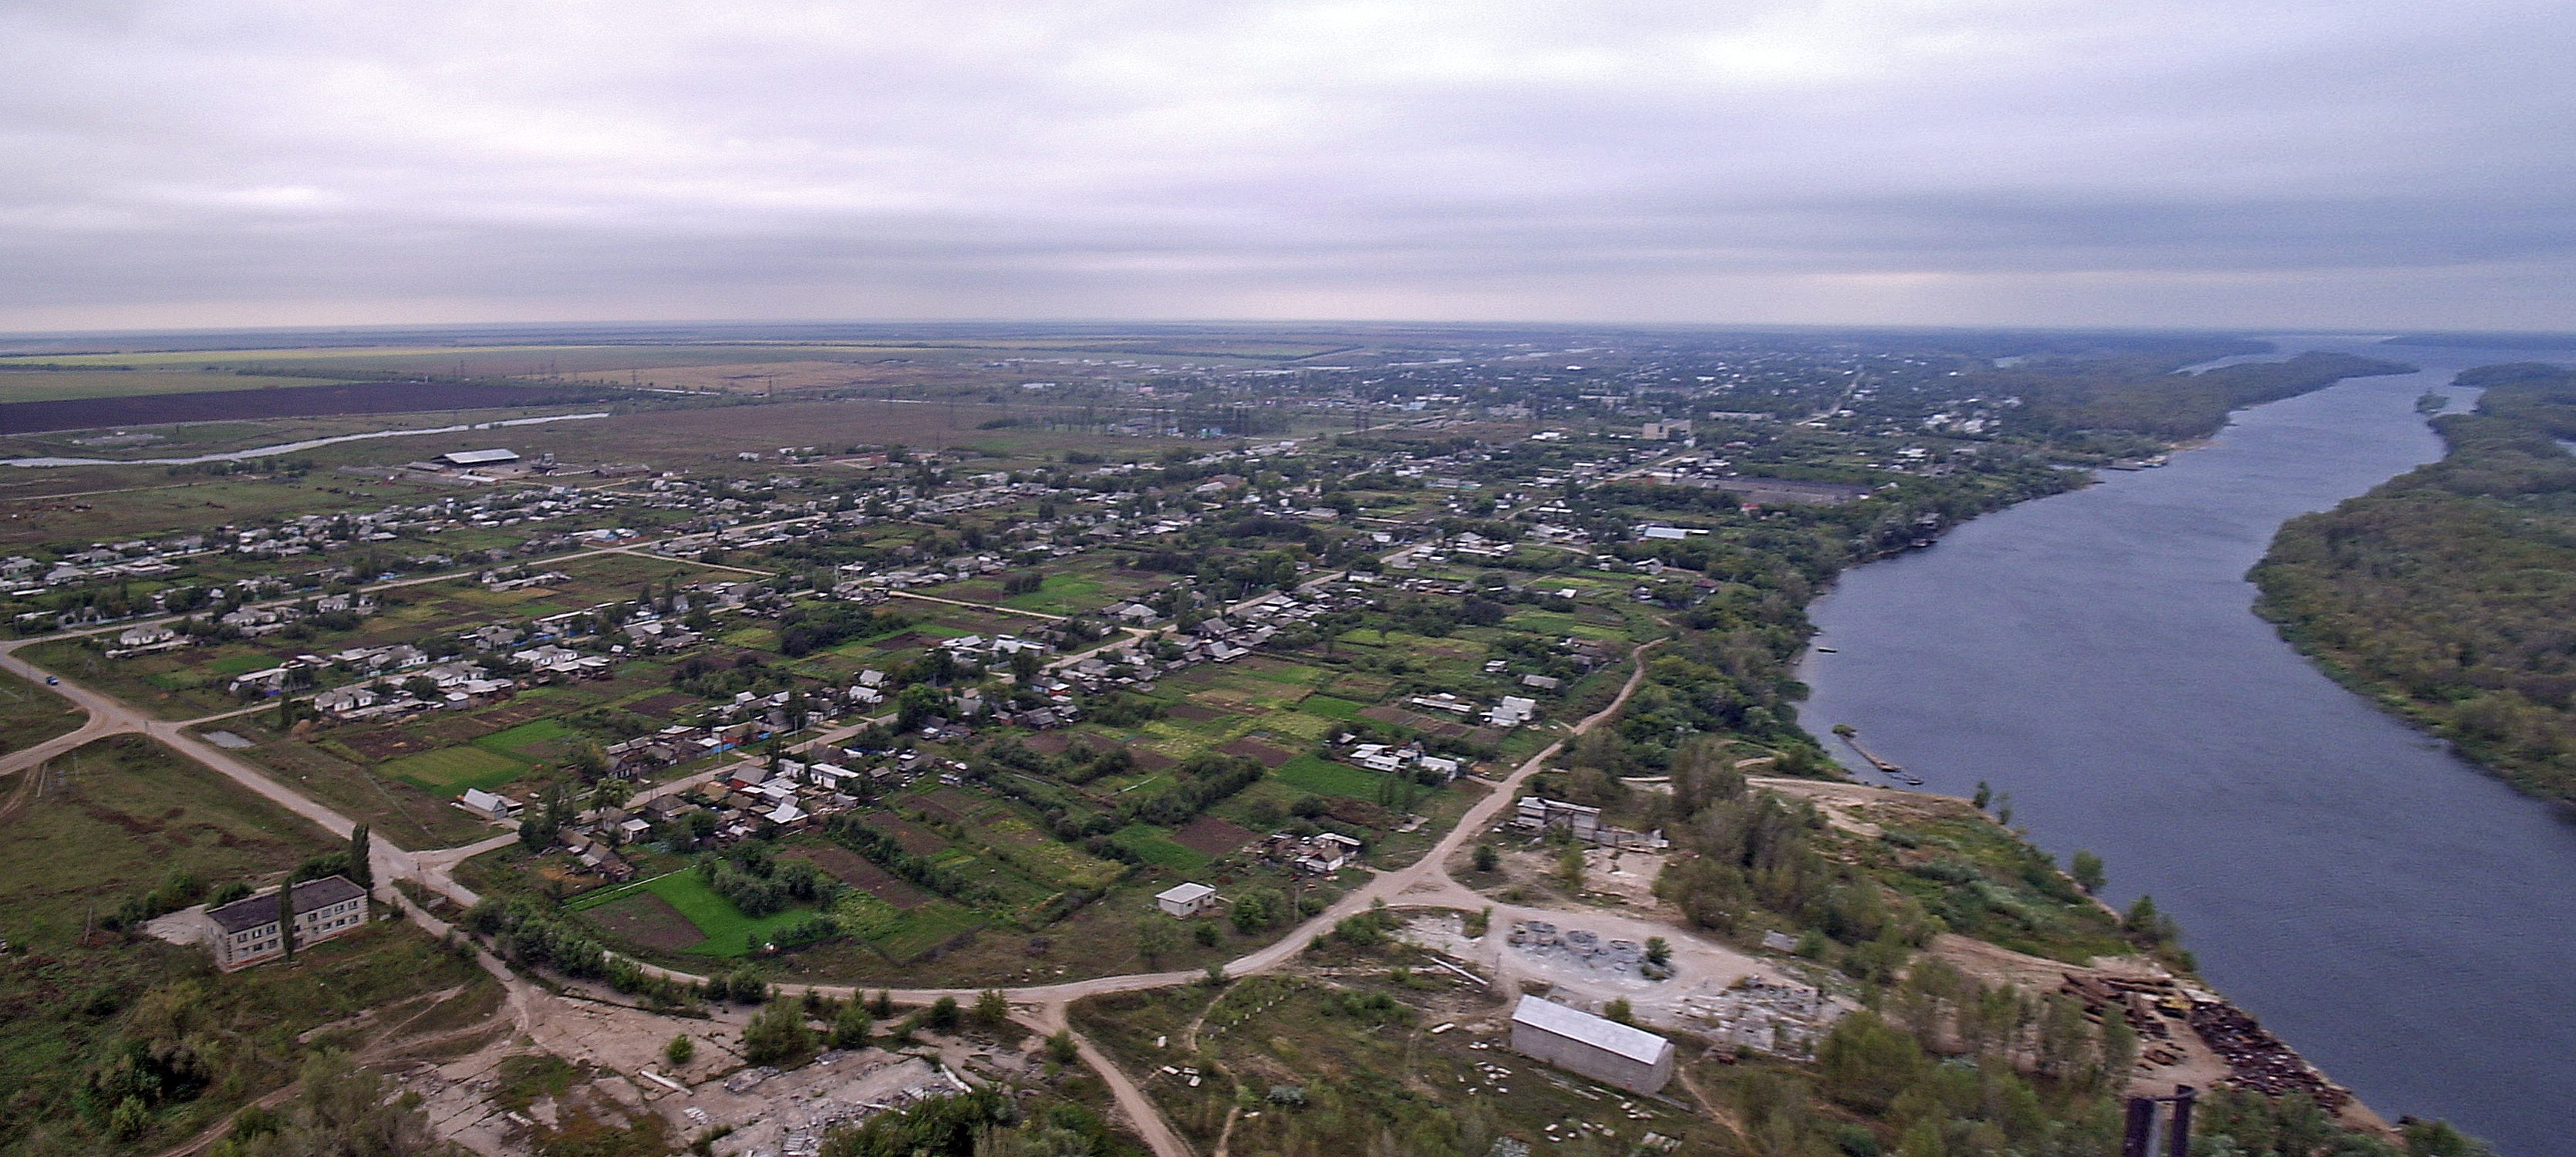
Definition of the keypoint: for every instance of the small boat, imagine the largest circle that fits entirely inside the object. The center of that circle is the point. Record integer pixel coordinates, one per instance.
(1827, 651)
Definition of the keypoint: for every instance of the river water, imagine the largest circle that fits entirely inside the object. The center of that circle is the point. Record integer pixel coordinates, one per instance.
(2402, 919)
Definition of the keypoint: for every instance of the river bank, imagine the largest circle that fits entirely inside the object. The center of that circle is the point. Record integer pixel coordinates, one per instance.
(2388, 910)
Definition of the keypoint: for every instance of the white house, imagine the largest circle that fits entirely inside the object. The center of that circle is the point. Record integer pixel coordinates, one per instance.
(1185, 900)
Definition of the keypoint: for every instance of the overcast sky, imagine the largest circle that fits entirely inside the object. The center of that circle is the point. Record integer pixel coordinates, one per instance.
(2358, 163)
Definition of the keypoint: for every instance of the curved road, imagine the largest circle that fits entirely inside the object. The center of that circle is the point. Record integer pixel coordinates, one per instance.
(1041, 1007)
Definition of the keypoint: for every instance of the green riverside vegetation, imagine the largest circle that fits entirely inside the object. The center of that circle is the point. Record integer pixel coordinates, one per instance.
(2449, 593)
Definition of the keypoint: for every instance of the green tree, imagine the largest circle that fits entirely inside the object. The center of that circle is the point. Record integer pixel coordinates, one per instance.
(1060, 1047)
(1619, 1010)
(992, 1009)
(1865, 1064)
(679, 1050)
(851, 1028)
(339, 1110)
(1659, 951)
(777, 1033)
(944, 1016)
(2086, 868)
(1569, 868)
(362, 870)
(1155, 935)
(286, 916)
(1486, 857)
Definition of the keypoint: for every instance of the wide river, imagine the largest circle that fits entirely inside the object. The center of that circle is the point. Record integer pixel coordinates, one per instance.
(2402, 919)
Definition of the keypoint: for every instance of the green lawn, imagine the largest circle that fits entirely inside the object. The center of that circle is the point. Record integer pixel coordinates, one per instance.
(1058, 595)
(453, 769)
(923, 929)
(1329, 707)
(1150, 844)
(724, 925)
(1326, 778)
(518, 741)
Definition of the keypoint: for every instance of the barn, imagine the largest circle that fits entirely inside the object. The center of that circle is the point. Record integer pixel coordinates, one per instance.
(1579, 1042)
(479, 457)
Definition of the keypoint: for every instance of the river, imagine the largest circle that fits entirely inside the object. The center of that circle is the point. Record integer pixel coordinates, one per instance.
(2404, 920)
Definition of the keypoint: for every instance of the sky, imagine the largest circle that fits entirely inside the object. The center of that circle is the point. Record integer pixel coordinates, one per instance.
(2354, 164)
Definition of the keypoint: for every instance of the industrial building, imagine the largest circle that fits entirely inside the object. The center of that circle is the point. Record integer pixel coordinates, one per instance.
(246, 931)
(1579, 1042)
(479, 457)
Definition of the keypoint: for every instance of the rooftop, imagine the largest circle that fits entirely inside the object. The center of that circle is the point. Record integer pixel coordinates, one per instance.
(1636, 1044)
(246, 914)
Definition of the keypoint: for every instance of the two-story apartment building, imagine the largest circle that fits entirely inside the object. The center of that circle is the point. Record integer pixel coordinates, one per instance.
(246, 931)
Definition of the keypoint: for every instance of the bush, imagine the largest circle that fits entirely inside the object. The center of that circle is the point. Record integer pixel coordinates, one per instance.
(944, 1016)
(679, 1050)
(777, 1034)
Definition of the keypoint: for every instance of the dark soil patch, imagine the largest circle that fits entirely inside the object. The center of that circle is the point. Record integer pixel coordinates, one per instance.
(455, 730)
(1047, 742)
(646, 919)
(1419, 722)
(282, 402)
(513, 715)
(863, 874)
(1269, 756)
(662, 706)
(1195, 713)
(1357, 811)
(1150, 760)
(1210, 836)
(955, 803)
(910, 836)
(390, 743)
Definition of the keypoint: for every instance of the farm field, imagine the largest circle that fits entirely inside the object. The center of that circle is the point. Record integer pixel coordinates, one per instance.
(30, 715)
(402, 811)
(117, 816)
(723, 930)
(60, 385)
(96, 412)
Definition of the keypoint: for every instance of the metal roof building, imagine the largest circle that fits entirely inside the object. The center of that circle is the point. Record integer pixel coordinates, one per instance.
(1185, 899)
(1579, 1042)
(479, 457)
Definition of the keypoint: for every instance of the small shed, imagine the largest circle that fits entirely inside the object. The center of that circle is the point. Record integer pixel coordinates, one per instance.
(1185, 900)
(1596, 1047)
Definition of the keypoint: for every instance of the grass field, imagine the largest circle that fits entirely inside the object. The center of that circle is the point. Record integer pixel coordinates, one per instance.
(452, 770)
(55, 385)
(517, 740)
(724, 925)
(1330, 707)
(117, 816)
(1325, 778)
(1155, 847)
(30, 715)
(1059, 595)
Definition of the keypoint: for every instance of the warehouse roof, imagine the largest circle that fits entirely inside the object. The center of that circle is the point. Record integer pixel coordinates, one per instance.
(1636, 1044)
(479, 457)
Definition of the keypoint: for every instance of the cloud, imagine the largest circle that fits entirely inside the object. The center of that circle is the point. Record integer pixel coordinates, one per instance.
(216, 162)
